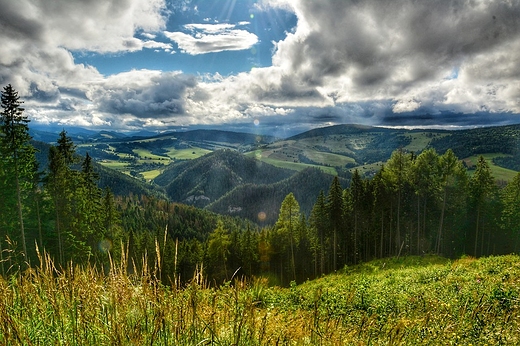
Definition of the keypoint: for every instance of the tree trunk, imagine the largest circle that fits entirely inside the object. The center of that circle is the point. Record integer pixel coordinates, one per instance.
(476, 232)
(439, 234)
(20, 214)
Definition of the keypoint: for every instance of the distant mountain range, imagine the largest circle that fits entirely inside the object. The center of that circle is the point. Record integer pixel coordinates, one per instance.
(245, 174)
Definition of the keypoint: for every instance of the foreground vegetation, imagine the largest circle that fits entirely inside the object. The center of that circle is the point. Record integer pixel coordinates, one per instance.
(412, 300)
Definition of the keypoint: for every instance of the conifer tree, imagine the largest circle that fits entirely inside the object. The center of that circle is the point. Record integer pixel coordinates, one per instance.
(88, 196)
(426, 178)
(62, 182)
(335, 211)
(511, 210)
(18, 160)
(318, 221)
(287, 224)
(396, 174)
(482, 184)
(218, 250)
(356, 196)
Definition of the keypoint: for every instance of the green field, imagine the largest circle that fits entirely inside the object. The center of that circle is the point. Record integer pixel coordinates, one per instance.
(150, 175)
(498, 172)
(424, 300)
(146, 154)
(187, 154)
(116, 165)
(295, 166)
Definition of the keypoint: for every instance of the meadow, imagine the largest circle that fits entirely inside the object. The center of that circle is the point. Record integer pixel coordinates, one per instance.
(425, 300)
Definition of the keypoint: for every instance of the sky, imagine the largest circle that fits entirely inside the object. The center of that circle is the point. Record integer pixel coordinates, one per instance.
(267, 66)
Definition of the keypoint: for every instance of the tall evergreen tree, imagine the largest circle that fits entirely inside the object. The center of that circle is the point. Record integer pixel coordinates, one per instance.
(287, 224)
(62, 182)
(482, 185)
(453, 173)
(511, 210)
(18, 155)
(319, 221)
(396, 174)
(335, 210)
(88, 196)
(426, 177)
(218, 250)
(356, 197)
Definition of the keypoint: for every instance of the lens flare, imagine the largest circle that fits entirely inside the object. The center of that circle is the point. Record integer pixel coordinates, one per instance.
(105, 245)
(262, 216)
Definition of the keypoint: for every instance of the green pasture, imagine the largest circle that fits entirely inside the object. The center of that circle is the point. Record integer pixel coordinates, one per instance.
(500, 173)
(186, 154)
(295, 166)
(150, 175)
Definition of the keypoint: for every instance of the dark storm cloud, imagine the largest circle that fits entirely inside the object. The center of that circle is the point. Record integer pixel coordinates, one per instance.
(371, 40)
(161, 96)
(16, 22)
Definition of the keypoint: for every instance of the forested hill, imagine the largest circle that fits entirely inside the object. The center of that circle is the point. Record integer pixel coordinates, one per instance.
(504, 140)
(261, 202)
(204, 180)
(237, 139)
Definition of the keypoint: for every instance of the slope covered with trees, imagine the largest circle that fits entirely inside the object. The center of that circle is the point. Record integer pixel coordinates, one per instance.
(260, 203)
(202, 181)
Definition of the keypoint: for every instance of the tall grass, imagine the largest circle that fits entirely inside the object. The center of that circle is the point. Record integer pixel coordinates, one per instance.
(397, 301)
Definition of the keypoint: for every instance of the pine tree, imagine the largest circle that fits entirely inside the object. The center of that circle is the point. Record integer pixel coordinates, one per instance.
(426, 178)
(62, 182)
(335, 211)
(511, 210)
(287, 224)
(319, 223)
(452, 172)
(18, 159)
(88, 196)
(396, 174)
(218, 250)
(482, 185)
(356, 196)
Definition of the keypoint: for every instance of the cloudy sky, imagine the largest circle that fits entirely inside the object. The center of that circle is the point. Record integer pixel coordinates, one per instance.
(272, 66)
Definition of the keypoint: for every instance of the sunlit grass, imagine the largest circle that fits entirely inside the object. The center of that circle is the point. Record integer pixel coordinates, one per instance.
(406, 301)
(147, 154)
(187, 154)
(116, 165)
(149, 175)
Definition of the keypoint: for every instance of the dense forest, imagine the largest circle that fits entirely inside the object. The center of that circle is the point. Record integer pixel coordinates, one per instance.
(416, 204)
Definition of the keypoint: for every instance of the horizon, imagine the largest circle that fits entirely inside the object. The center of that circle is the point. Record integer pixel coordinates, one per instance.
(276, 67)
(75, 130)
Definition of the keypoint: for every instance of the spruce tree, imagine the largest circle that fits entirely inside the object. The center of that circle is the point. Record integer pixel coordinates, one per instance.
(287, 224)
(481, 186)
(62, 182)
(18, 160)
(335, 210)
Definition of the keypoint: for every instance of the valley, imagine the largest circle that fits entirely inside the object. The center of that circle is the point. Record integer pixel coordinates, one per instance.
(336, 150)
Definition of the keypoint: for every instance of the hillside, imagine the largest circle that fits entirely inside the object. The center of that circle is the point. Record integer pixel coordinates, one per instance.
(337, 150)
(261, 202)
(405, 301)
(365, 148)
(204, 180)
(344, 147)
(120, 184)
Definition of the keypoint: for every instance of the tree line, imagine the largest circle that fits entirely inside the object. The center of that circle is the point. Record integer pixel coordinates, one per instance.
(415, 204)
(61, 210)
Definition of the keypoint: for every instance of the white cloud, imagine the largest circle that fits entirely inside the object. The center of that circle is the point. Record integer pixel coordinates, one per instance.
(406, 106)
(355, 61)
(211, 38)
